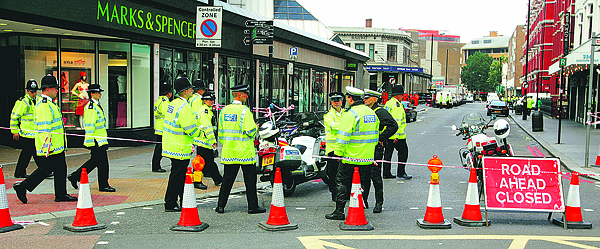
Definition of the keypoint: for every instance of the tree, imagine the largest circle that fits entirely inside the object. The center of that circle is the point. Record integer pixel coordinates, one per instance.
(495, 75)
(477, 71)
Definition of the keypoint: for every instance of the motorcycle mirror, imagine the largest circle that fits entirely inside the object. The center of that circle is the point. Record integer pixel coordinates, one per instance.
(454, 127)
(493, 116)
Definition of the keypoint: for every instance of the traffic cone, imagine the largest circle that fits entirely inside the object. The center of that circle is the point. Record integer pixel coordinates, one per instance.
(278, 220)
(189, 220)
(356, 220)
(573, 208)
(434, 219)
(6, 224)
(472, 214)
(598, 158)
(85, 220)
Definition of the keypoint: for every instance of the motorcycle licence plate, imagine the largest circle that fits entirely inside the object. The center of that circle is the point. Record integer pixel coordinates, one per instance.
(268, 160)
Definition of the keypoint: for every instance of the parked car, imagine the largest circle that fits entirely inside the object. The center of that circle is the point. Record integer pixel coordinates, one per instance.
(410, 110)
(497, 107)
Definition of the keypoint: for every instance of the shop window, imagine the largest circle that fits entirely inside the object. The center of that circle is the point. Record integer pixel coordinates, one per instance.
(115, 79)
(300, 89)
(318, 93)
(233, 71)
(279, 85)
(263, 88)
(141, 86)
(198, 66)
(39, 56)
(166, 65)
(180, 64)
(77, 73)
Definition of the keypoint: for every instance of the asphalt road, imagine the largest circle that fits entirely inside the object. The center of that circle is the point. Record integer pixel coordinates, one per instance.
(405, 202)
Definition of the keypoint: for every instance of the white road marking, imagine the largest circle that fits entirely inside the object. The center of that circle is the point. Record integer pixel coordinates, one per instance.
(43, 223)
(448, 208)
(300, 208)
(102, 243)
(414, 208)
(588, 210)
(120, 213)
(147, 208)
(110, 231)
(462, 182)
(115, 223)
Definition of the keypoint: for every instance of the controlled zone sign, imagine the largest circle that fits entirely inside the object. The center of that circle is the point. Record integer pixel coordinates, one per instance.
(523, 184)
(208, 26)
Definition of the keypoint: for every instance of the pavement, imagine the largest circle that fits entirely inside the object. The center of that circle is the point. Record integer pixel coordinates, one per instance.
(571, 150)
(130, 174)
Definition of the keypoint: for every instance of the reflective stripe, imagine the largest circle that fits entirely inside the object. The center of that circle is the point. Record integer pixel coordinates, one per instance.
(230, 131)
(43, 123)
(365, 133)
(343, 133)
(242, 120)
(190, 127)
(249, 132)
(202, 142)
(340, 141)
(358, 160)
(236, 138)
(363, 141)
(166, 129)
(357, 119)
(233, 159)
(175, 154)
(172, 124)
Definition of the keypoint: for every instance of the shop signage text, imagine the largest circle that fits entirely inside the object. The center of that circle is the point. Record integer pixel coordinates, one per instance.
(527, 184)
(394, 69)
(141, 19)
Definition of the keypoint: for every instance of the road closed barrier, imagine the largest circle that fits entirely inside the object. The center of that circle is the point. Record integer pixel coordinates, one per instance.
(523, 184)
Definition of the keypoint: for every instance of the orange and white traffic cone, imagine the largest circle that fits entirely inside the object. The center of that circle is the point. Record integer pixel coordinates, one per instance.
(472, 214)
(189, 220)
(434, 219)
(573, 209)
(6, 224)
(85, 220)
(598, 158)
(356, 220)
(278, 220)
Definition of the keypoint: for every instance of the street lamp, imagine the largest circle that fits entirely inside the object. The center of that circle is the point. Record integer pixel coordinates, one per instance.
(446, 75)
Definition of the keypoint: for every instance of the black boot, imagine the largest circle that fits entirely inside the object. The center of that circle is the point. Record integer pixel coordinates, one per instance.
(378, 207)
(338, 214)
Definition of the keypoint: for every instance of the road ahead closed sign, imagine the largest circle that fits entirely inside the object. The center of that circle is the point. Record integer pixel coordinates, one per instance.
(523, 184)
(208, 26)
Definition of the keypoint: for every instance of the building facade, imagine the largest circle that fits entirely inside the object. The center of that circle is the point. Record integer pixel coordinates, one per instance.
(514, 67)
(129, 47)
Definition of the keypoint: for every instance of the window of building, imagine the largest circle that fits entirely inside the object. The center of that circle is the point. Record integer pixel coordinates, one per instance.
(591, 24)
(291, 10)
(372, 51)
(115, 77)
(141, 86)
(359, 47)
(233, 71)
(180, 63)
(300, 89)
(392, 50)
(475, 42)
(77, 73)
(487, 41)
(319, 97)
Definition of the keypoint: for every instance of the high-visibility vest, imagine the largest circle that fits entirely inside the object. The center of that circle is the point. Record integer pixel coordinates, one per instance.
(22, 115)
(358, 135)
(160, 108)
(529, 103)
(50, 137)
(95, 124)
(236, 132)
(179, 130)
(396, 108)
(204, 122)
(196, 103)
(332, 123)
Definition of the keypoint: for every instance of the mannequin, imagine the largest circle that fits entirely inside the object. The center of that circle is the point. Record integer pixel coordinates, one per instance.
(79, 92)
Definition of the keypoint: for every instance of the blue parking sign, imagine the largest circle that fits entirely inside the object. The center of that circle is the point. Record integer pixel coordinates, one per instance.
(293, 51)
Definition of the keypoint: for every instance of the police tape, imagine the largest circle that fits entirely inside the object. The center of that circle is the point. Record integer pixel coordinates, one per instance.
(563, 174)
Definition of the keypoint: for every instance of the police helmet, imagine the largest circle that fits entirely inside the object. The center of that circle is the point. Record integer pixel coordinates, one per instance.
(501, 128)
(267, 130)
(32, 85)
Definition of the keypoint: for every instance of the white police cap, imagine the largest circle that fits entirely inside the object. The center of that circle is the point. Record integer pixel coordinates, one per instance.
(353, 91)
(371, 93)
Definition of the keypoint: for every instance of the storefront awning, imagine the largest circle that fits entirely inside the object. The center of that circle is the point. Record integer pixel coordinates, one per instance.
(579, 56)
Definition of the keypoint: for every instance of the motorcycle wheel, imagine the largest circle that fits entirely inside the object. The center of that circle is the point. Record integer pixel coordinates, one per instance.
(288, 183)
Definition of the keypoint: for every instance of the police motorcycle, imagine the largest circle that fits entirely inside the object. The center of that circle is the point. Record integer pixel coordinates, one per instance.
(296, 162)
(473, 128)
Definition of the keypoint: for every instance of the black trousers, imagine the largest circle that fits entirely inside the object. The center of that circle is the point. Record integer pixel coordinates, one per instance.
(210, 166)
(27, 151)
(176, 182)
(98, 160)
(375, 177)
(157, 156)
(402, 149)
(343, 179)
(331, 171)
(54, 163)
(229, 174)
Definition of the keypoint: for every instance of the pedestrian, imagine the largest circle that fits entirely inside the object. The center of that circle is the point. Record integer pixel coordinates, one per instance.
(356, 139)
(95, 139)
(196, 104)
(237, 129)
(179, 130)
(332, 123)
(49, 144)
(398, 140)
(206, 144)
(387, 128)
(22, 127)
(529, 104)
(160, 108)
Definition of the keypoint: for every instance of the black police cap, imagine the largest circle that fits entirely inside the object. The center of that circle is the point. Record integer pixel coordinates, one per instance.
(32, 85)
(240, 88)
(199, 84)
(165, 88)
(182, 83)
(397, 90)
(49, 81)
(95, 88)
(208, 96)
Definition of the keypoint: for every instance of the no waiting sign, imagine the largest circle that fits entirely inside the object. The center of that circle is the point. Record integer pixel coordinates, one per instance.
(208, 26)
(523, 184)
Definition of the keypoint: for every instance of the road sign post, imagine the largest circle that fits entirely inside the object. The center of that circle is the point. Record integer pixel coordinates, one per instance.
(208, 26)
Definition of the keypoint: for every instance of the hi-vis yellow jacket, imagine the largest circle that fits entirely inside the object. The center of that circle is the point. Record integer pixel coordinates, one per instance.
(160, 108)
(332, 123)
(236, 132)
(50, 139)
(179, 130)
(358, 134)
(204, 122)
(397, 110)
(95, 124)
(21, 117)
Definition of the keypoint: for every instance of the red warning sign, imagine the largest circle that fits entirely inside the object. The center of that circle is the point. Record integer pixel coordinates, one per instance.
(523, 184)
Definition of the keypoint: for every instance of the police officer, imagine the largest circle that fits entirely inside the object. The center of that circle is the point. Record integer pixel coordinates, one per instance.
(356, 139)
(236, 132)
(179, 130)
(197, 103)
(160, 108)
(206, 142)
(398, 140)
(387, 128)
(332, 122)
(95, 139)
(22, 127)
(529, 104)
(50, 145)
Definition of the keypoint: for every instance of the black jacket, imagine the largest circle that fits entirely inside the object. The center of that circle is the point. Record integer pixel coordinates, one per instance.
(387, 124)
